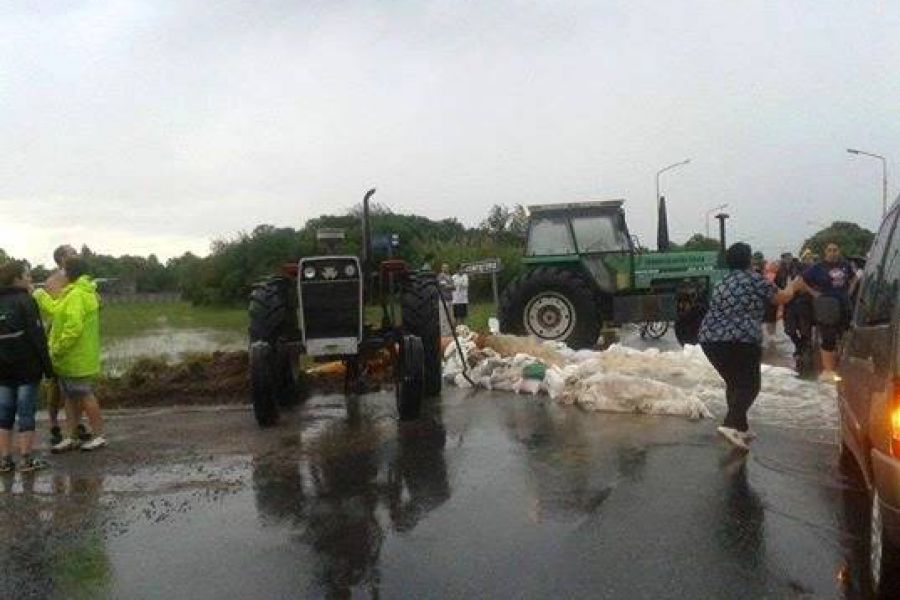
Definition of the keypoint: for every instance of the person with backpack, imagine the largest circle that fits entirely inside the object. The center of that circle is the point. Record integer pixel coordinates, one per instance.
(24, 360)
(75, 351)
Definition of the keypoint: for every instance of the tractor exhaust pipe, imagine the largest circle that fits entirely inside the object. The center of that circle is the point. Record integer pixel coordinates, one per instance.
(662, 229)
(367, 233)
(722, 217)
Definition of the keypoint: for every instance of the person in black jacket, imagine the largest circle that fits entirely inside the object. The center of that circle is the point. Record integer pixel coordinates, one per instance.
(24, 360)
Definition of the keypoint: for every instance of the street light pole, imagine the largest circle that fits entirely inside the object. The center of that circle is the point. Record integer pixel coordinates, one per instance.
(883, 175)
(710, 212)
(663, 170)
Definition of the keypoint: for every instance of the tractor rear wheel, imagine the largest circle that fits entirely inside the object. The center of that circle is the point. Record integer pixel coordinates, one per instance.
(552, 304)
(409, 376)
(262, 384)
(275, 378)
(419, 309)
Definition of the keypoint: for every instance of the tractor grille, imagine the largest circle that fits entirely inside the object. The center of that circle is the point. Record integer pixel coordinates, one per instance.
(330, 298)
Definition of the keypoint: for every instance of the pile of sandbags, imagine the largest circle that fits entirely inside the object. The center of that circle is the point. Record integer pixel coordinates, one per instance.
(618, 379)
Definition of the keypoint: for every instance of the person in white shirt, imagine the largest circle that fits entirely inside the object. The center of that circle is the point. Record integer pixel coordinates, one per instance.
(460, 297)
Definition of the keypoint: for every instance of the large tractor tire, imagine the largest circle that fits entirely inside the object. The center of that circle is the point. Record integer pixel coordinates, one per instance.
(552, 304)
(262, 384)
(273, 310)
(409, 375)
(275, 379)
(419, 309)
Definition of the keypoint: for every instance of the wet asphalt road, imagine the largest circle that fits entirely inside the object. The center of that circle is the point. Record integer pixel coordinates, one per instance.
(490, 496)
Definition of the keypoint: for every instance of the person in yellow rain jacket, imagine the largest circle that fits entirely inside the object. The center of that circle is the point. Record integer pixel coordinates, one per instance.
(75, 353)
(47, 299)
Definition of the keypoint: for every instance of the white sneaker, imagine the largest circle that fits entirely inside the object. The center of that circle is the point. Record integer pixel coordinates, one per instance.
(97, 442)
(65, 445)
(734, 437)
(748, 435)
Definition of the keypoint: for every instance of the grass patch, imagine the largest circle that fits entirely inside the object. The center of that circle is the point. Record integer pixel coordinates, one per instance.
(130, 319)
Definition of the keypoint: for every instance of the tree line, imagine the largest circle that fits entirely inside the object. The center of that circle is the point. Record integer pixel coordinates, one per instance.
(234, 264)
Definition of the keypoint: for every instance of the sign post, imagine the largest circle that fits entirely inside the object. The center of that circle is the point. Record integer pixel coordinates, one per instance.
(488, 266)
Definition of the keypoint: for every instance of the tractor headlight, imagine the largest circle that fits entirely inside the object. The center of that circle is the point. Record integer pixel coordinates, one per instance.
(350, 270)
(309, 272)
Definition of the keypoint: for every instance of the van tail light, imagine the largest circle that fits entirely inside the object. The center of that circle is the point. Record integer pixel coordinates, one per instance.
(895, 421)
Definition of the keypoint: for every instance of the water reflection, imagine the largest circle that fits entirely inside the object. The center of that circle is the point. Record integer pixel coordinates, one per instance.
(741, 514)
(356, 482)
(568, 477)
(52, 543)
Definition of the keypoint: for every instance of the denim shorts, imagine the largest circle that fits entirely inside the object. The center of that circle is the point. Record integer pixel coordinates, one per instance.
(76, 388)
(18, 401)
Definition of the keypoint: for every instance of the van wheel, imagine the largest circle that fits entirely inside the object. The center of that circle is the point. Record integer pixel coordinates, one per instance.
(884, 557)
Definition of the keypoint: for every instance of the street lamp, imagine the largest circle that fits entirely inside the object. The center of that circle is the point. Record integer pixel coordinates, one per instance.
(663, 170)
(710, 212)
(883, 175)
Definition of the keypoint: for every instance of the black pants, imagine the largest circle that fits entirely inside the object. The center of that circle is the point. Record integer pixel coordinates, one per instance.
(798, 324)
(738, 364)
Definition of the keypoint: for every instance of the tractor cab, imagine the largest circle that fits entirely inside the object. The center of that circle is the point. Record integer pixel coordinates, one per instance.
(592, 234)
(578, 228)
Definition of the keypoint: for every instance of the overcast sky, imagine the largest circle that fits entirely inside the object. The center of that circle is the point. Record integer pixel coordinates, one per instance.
(158, 126)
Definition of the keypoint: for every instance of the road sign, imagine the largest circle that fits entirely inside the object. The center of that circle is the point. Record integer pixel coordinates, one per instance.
(487, 266)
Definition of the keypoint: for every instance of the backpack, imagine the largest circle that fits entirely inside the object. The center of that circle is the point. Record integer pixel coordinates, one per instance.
(13, 340)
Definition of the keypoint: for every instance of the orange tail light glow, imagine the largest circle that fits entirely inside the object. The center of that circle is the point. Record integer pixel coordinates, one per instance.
(895, 422)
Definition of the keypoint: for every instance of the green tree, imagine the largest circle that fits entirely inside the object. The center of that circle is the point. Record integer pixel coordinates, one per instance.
(698, 241)
(853, 239)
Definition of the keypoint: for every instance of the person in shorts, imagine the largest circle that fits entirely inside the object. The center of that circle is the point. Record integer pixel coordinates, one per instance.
(75, 352)
(836, 278)
(47, 299)
(460, 296)
(24, 360)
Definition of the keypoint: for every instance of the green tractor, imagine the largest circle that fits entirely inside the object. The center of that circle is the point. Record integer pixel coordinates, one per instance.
(584, 270)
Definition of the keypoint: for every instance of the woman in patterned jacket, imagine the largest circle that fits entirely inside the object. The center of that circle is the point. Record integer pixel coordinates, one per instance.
(731, 337)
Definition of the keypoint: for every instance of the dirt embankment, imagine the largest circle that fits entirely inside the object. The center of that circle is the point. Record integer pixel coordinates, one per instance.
(224, 378)
(219, 378)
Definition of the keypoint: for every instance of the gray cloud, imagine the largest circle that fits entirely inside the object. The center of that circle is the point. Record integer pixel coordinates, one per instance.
(156, 126)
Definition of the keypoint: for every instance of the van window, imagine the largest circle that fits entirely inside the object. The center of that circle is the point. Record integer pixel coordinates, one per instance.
(881, 278)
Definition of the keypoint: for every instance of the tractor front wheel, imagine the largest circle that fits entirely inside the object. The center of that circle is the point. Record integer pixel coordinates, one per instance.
(263, 384)
(419, 310)
(691, 303)
(409, 377)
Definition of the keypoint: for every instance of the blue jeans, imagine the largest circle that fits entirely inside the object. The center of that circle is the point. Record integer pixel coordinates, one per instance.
(18, 401)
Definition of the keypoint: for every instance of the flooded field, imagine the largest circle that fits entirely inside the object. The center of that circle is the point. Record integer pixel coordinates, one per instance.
(169, 343)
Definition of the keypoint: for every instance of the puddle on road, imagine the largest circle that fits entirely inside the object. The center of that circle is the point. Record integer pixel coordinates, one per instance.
(171, 344)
